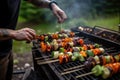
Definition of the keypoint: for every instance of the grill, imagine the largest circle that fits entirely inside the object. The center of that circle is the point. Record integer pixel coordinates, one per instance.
(101, 32)
(52, 71)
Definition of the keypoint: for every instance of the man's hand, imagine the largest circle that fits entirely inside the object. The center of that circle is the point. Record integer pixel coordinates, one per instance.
(25, 34)
(59, 13)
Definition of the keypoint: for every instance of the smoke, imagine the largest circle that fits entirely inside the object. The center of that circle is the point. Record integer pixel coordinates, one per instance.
(75, 8)
(79, 12)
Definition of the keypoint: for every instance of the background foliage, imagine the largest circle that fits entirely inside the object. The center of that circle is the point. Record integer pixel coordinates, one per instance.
(73, 8)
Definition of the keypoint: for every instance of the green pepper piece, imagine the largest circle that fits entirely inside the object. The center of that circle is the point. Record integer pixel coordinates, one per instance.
(52, 54)
(106, 73)
(107, 59)
(96, 45)
(46, 38)
(61, 49)
(90, 53)
(76, 54)
(81, 58)
(59, 35)
(117, 58)
(73, 58)
(97, 70)
(81, 48)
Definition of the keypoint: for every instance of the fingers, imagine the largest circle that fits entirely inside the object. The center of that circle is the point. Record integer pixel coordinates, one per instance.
(59, 13)
(62, 16)
(30, 34)
(58, 17)
(28, 37)
(25, 34)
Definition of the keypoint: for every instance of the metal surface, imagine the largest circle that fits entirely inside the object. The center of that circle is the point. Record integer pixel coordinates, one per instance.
(100, 32)
(52, 71)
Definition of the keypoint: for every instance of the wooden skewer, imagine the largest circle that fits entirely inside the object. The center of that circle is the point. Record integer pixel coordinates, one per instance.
(67, 72)
(48, 59)
(84, 74)
(109, 48)
(47, 62)
(42, 57)
(73, 67)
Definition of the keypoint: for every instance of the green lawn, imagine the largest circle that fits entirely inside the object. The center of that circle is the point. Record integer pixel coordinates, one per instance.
(22, 47)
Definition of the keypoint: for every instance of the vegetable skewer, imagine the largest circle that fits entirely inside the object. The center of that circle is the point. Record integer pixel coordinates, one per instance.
(101, 60)
(105, 71)
(51, 36)
(63, 58)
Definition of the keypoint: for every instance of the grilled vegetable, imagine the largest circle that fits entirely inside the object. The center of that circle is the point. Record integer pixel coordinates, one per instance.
(73, 58)
(51, 36)
(107, 70)
(43, 46)
(97, 70)
(76, 49)
(96, 45)
(97, 60)
(117, 58)
(107, 59)
(48, 48)
(83, 53)
(76, 55)
(70, 54)
(90, 53)
(102, 50)
(71, 44)
(63, 58)
(81, 58)
(81, 41)
(62, 50)
(55, 54)
(46, 38)
(101, 60)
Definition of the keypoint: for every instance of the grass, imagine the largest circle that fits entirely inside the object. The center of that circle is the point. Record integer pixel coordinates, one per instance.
(110, 22)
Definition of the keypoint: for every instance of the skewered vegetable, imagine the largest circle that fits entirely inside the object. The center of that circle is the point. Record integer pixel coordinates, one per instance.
(56, 44)
(51, 36)
(55, 54)
(101, 60)
(97, 60)
(97, 70)
(90, 52)
(107, 70)
(69, 46)
(78, 56)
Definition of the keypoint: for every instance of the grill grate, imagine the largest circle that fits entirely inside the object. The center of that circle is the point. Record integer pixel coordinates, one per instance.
(101, 32)
(52, 71)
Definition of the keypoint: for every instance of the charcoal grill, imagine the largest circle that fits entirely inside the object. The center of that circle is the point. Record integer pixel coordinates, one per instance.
(101, 32)
(52, 71)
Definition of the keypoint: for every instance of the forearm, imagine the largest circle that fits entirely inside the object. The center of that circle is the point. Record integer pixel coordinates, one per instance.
(5, 34)
(40, 3)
